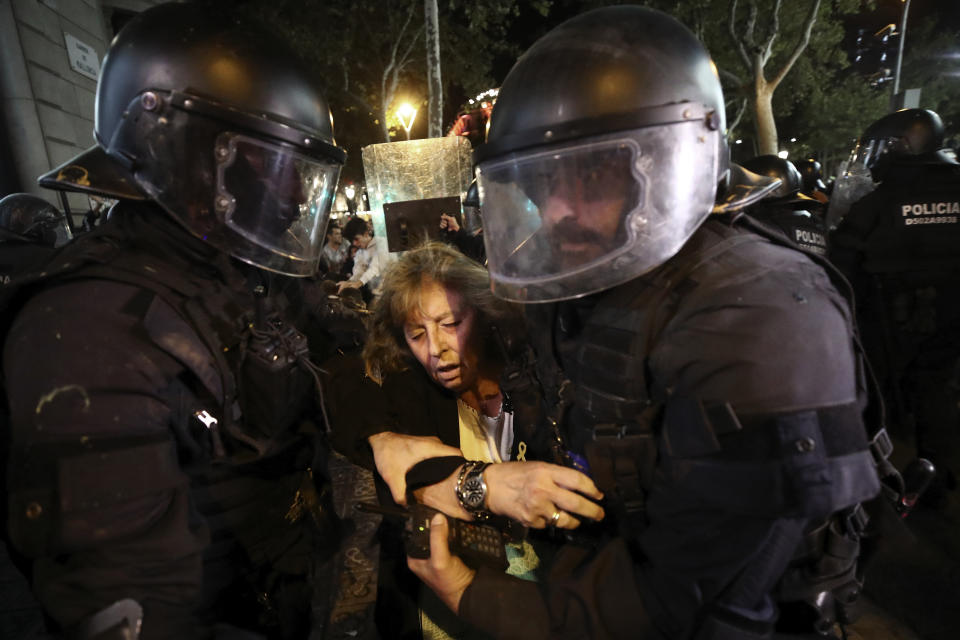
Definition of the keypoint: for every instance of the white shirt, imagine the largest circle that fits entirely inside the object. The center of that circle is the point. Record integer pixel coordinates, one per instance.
(369, 263)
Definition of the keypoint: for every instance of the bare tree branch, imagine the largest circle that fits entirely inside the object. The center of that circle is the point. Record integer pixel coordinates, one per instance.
(741, 110)
(731, 29)
(751, 24)
(804, 41)
(393, 69)
(772, 33)
(731, 77)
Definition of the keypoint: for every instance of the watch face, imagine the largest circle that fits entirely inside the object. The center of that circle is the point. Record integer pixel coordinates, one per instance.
(474, 492)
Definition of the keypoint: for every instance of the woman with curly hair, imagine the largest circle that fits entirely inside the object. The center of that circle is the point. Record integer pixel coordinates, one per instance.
(437, 344)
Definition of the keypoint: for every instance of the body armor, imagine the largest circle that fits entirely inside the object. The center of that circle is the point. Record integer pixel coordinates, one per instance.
(635, 432)
(255, 468)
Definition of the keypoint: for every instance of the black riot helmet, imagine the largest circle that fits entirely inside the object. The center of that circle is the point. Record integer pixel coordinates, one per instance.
(777, 167)
(906, 137)
(218, 124)
(914, 136)
(28, 218)
(812, 174)
(789, 192)
(605, 150)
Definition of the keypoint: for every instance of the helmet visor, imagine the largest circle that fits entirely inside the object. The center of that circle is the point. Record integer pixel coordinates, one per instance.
(578, 217)
(869, 151)
(273, 196)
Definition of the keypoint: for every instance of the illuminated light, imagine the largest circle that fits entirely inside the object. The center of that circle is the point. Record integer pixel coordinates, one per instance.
(783, 154)
(406, 113)
(349, 191)
(739, 141)
(793, 139)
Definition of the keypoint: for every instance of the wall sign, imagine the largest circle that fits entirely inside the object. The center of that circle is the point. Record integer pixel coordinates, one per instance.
(83, 57)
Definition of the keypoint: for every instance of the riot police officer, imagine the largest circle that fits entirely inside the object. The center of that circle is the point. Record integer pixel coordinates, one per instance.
(167, 476)
(24, 216)
(799, 216)
(668, 350)
(898, 247)
(30, 228)
(812, 174)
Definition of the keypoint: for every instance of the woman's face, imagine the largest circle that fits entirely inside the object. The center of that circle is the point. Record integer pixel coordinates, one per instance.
(440, 335)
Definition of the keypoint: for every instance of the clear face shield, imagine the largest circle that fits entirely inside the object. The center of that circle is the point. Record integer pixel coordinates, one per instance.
(273, 196)
(578, 217)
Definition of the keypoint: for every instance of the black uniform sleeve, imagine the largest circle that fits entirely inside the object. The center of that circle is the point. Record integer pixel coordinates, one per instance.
(470, 245)
(355, 406)
(99, 502)
(407, 402)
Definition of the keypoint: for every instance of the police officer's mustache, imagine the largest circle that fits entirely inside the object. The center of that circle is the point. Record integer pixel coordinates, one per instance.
(569, 231)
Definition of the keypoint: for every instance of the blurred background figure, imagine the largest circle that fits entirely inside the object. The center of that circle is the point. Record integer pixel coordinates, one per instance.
(369, 260)
(335, 251)
(812, 174)
(799, 216)
(30, 229)
(898, 246)
(28, 218)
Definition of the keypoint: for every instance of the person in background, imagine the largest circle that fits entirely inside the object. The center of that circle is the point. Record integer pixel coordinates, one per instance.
(898, 247)
(799, 216)
(471, 244)
(335, 250)
(812, 175)
(369, 260)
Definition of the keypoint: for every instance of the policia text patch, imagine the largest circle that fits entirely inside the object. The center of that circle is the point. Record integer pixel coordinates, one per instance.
(930, 213)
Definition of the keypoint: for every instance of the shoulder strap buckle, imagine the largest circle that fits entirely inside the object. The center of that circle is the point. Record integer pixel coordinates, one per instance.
(881, 446)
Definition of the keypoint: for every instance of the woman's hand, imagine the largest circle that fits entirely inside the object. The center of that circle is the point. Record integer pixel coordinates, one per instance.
(444, 573)
(395, 453)
(539, 494)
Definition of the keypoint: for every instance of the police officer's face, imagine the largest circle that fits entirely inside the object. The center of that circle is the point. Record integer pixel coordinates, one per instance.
(583, 213)
(440, 336)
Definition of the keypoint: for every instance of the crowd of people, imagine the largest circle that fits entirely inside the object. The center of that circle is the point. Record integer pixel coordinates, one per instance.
(645, 392)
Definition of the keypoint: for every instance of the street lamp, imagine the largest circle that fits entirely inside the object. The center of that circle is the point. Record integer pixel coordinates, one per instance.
(903, 36)
(406, 113)
(350, 191)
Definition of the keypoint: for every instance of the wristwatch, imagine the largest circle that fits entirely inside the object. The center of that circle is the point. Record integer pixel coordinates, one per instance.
(472, 489)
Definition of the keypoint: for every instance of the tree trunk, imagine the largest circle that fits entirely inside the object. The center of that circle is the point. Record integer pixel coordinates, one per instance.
(763, 116)
(435, 103)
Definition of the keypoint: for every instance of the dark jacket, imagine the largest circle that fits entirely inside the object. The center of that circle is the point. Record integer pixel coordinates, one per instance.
(120, 485)
(734, 322)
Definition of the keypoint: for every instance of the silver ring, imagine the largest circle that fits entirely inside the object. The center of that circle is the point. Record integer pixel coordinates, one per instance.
(554, 518)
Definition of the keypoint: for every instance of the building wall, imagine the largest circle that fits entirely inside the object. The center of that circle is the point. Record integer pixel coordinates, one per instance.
(47, 107)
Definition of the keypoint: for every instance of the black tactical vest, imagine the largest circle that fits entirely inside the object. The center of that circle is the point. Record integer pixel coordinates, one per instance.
(243, 413)
(634, 430)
